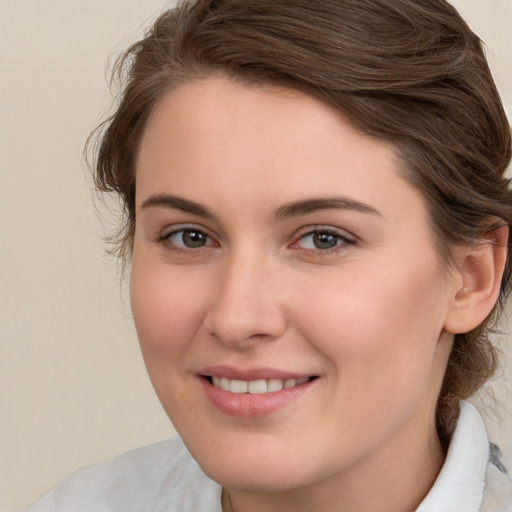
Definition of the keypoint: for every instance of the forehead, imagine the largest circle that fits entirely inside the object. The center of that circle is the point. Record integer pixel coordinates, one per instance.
(239, 143)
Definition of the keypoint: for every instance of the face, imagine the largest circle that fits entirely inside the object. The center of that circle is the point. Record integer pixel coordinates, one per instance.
(285, 288)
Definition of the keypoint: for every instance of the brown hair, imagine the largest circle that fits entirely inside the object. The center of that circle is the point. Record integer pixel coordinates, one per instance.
(410, 71)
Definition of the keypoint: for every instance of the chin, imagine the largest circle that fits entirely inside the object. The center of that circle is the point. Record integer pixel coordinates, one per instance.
(258, 472)
(260, 480)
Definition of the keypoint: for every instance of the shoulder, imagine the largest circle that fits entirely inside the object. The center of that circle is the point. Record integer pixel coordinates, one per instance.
(162, 476)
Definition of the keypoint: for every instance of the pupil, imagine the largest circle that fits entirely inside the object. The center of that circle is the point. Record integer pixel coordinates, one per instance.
(324, 240)
(194, 238)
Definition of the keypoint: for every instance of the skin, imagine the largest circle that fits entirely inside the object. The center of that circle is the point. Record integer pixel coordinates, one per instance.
(369, 317)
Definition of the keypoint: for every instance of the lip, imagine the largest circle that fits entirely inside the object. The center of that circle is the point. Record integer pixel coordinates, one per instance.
(247, 405)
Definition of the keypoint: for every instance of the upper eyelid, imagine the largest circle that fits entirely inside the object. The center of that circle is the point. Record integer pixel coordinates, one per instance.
(301, 232)
(165, 240)
(345, 242)
(309, 230)
(164, 235)
(170, 230)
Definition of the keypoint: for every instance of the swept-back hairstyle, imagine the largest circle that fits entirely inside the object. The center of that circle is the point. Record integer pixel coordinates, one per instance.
(409, 71)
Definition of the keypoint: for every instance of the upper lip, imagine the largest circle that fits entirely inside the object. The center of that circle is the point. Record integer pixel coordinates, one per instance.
(250, 374)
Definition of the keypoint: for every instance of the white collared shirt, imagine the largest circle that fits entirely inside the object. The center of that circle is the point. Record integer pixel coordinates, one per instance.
(165, 478)
(470, 480)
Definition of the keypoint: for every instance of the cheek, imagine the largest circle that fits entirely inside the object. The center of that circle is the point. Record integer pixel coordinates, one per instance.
(165, 310)
(377, 329)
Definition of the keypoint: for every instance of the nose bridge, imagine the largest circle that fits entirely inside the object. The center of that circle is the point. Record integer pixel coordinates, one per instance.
(246, 305)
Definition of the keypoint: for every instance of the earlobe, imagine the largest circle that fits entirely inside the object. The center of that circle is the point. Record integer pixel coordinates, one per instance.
(479, 271)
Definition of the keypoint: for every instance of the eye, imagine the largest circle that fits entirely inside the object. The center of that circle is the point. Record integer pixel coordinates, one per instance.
(322, 240)
(188, 239)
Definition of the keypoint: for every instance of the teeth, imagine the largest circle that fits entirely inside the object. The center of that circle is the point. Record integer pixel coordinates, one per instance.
(256, 386)
(274, 385)
(289, 383)
(238, 386)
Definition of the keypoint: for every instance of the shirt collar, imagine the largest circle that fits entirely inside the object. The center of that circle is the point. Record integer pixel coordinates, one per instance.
(460, 484)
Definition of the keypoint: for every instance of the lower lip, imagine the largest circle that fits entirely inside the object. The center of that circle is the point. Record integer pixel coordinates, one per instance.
(247, 405)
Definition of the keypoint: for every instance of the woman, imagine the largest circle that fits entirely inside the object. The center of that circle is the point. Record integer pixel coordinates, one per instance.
(317, 224)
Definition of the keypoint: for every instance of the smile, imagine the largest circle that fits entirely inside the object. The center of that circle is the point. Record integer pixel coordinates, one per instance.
(256, 387)
(255, 397)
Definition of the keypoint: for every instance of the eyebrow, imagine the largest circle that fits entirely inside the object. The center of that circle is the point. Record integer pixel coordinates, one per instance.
(177, 203)
(299, 208)
(288, 210)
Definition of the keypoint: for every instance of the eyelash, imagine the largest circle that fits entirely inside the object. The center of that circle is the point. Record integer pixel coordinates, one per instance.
(166, 239)
(342, 241)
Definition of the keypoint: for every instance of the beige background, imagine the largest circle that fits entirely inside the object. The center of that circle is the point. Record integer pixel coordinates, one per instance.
(73, 389)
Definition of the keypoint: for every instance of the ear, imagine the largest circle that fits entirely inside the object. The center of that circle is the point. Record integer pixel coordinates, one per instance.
(478, 273)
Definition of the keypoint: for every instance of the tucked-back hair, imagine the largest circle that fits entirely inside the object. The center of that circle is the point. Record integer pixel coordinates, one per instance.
(409, 71)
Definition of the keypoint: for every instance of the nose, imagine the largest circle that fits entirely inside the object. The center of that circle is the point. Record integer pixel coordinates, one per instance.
(246, 305)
